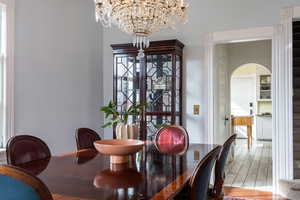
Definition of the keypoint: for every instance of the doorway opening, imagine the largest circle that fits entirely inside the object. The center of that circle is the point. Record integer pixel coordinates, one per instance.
(243, 106)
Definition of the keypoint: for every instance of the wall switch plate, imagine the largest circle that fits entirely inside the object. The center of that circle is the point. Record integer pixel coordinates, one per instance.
(196, 155)
(196, 109)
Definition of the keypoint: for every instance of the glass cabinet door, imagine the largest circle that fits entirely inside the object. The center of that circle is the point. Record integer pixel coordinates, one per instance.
(158, 91)
(178, 90)
(127, 79)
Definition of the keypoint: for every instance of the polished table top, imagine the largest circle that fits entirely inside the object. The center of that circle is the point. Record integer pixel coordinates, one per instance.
(151, 174)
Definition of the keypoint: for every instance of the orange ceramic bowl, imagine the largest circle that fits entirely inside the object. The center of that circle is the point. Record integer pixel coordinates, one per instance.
(119, 150)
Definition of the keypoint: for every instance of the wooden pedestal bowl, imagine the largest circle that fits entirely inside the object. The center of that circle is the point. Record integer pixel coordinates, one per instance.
(119, 150)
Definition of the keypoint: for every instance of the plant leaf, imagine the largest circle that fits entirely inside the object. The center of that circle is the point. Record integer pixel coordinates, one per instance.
(106, 125)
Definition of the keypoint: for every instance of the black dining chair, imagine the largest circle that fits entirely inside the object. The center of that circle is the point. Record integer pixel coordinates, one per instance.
(22, 149)
(216, 192)
(17, 184)
(197, 187)
(85, 138)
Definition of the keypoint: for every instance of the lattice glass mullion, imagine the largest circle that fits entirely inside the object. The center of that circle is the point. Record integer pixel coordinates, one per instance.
(178, 85)
(158, 94)
(128, 90)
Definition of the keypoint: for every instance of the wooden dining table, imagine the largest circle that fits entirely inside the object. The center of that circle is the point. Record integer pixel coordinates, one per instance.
(151, 174)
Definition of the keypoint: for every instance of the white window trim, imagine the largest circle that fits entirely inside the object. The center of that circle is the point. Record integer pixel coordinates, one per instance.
(9, 68)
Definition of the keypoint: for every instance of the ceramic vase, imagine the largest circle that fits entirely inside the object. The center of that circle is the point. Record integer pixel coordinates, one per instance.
(127, 131)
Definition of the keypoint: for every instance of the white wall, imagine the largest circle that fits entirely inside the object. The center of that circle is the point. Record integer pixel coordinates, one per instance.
(204, 16)
(243, 91)
(58, 58)
(221, 93)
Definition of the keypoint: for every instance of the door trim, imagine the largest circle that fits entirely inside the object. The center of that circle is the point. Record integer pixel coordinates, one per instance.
(281, 36)
(223, 37)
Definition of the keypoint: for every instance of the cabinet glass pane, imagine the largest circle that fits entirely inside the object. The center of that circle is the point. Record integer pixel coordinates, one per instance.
(127, 82)
(155, 122)
(159, 83)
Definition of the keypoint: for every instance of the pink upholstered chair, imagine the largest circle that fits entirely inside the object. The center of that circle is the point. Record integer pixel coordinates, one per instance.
(172, 139)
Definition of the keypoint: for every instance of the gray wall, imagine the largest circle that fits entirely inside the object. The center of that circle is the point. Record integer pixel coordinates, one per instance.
(58, 73)
(259, 52)
(204, 16)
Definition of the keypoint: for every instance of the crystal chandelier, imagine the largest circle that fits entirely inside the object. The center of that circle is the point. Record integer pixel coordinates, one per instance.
(141, 18)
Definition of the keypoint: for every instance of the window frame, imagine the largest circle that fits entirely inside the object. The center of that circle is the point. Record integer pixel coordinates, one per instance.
(8, 59)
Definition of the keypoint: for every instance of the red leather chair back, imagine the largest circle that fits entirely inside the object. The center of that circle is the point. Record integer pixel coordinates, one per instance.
(172, 138)
(85, 138)
(25, 148)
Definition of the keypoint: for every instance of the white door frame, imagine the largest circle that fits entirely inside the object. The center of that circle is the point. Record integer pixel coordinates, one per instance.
(215, 38)
(282, 130)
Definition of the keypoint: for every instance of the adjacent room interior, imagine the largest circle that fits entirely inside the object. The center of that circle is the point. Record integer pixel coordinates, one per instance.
(244, 107)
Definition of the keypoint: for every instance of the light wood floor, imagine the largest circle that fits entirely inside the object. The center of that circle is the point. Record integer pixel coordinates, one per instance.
(251, 169)
(250, 194)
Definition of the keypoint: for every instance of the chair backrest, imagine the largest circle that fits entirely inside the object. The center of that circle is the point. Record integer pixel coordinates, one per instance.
(172, 134)
(171, 148)
(221, 161)
(85, 138)
(16, 184)
(199, 182)
(26, 148)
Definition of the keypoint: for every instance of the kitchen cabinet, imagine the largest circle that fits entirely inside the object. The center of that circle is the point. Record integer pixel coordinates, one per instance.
(264, 127)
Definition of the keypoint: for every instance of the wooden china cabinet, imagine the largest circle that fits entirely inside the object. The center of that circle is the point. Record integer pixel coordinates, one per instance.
(155, 79)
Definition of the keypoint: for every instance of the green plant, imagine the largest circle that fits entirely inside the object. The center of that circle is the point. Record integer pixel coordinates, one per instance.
(158, 126)
(115, 117)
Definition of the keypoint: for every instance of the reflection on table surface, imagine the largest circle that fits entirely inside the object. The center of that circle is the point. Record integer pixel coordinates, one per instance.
(88, 174)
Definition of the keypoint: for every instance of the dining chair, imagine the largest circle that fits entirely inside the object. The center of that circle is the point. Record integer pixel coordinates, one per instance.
(198, 185)
(216, 192)
(199, 182)
(26, 148)
(172, 134)
(16, 184)
(85, 138)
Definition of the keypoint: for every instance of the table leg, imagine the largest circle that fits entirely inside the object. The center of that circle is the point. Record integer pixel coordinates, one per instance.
(248, 136)
(251, 138)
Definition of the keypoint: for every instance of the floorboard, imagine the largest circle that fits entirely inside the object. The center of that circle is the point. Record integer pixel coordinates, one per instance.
(252, 168)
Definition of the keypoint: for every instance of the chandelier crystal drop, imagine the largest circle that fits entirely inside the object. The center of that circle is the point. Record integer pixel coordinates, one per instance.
(141, 18)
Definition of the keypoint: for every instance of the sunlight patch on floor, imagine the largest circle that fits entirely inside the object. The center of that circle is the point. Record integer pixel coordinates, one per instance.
(251, 169)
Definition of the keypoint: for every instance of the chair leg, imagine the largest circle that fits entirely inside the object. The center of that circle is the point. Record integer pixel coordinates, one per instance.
(217, 190)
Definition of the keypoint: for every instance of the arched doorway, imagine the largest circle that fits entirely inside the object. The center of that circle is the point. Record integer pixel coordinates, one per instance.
(250, 98)
(250, 94)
